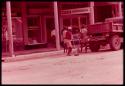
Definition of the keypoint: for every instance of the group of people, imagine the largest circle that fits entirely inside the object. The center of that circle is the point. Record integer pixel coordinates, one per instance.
(68, 39)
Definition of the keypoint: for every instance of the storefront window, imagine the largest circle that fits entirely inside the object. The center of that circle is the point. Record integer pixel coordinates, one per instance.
(5, 44)
(17, 33)
(34, 30)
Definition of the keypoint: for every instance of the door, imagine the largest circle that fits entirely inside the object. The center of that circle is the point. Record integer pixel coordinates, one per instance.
(84, 20)
(49, 26)
(75, 21)
(66, 22)
(75, 24)
(50, 29)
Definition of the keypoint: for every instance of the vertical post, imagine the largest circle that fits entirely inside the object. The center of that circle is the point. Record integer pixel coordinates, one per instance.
(61, 27)
(79, 22)
(116, 10)
(9, 22)
(24, 24)
(45, 30)
(113, 11)
(91, 14)
(56, 25)
(120, 9)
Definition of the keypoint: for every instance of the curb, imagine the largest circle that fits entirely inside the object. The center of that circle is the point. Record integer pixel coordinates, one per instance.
(32, 56)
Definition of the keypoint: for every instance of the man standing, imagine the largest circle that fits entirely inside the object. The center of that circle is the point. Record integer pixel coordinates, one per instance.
(67, 35)
(76, 41)
(84, 37)
(53, 37)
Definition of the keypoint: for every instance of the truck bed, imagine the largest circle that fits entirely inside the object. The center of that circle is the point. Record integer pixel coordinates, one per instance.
(100, 28)
(105, 27)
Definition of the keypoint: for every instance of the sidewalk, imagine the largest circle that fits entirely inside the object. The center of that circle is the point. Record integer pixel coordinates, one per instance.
(36, 55)
(33, 56)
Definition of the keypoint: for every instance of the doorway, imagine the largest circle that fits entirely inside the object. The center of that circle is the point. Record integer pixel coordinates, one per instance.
(50, 26)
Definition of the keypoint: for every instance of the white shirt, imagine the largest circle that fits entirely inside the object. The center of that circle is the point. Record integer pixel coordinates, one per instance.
(83, 30)
(53, 33)
(64, 33)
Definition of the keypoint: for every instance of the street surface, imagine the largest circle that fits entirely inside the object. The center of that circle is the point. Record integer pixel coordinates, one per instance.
(104, 67)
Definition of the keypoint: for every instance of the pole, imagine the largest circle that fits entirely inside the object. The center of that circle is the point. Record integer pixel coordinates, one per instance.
(56, 25)
(9, 22)
(92, 20)
(24, 24)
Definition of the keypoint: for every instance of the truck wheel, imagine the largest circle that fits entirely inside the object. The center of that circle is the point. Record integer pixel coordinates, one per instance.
(115, 43)
(94, 47)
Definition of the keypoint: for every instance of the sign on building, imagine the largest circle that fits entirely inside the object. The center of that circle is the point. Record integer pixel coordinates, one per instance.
(75, 11)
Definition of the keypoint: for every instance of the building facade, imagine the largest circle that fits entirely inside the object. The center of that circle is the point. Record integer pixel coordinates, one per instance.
(32, 22)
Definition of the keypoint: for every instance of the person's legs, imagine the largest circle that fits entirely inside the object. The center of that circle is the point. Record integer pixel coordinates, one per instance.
(81, 45)
(69, 44)
(53, 41)
(77, 49)
(86, 44)
(69, 51)
(65, 48)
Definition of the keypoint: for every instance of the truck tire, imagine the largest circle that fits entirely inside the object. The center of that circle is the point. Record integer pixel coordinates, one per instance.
(94, 47)
(115, 43)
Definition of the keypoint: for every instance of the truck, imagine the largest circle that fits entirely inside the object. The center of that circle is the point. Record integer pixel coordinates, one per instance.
(108, 32)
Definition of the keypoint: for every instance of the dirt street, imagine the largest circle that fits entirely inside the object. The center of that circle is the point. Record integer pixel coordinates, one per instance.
(87, 68)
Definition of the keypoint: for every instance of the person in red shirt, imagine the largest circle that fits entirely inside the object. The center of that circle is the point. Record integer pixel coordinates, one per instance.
(67, 36)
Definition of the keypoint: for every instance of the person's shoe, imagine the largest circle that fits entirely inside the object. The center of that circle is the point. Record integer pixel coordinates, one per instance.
(76, 54)
(68, 54)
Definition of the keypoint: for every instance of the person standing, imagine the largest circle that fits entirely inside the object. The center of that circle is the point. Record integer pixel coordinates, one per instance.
(67, 36)
(76, 40)
(84, 37)
(53, 37)
(63, 36)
